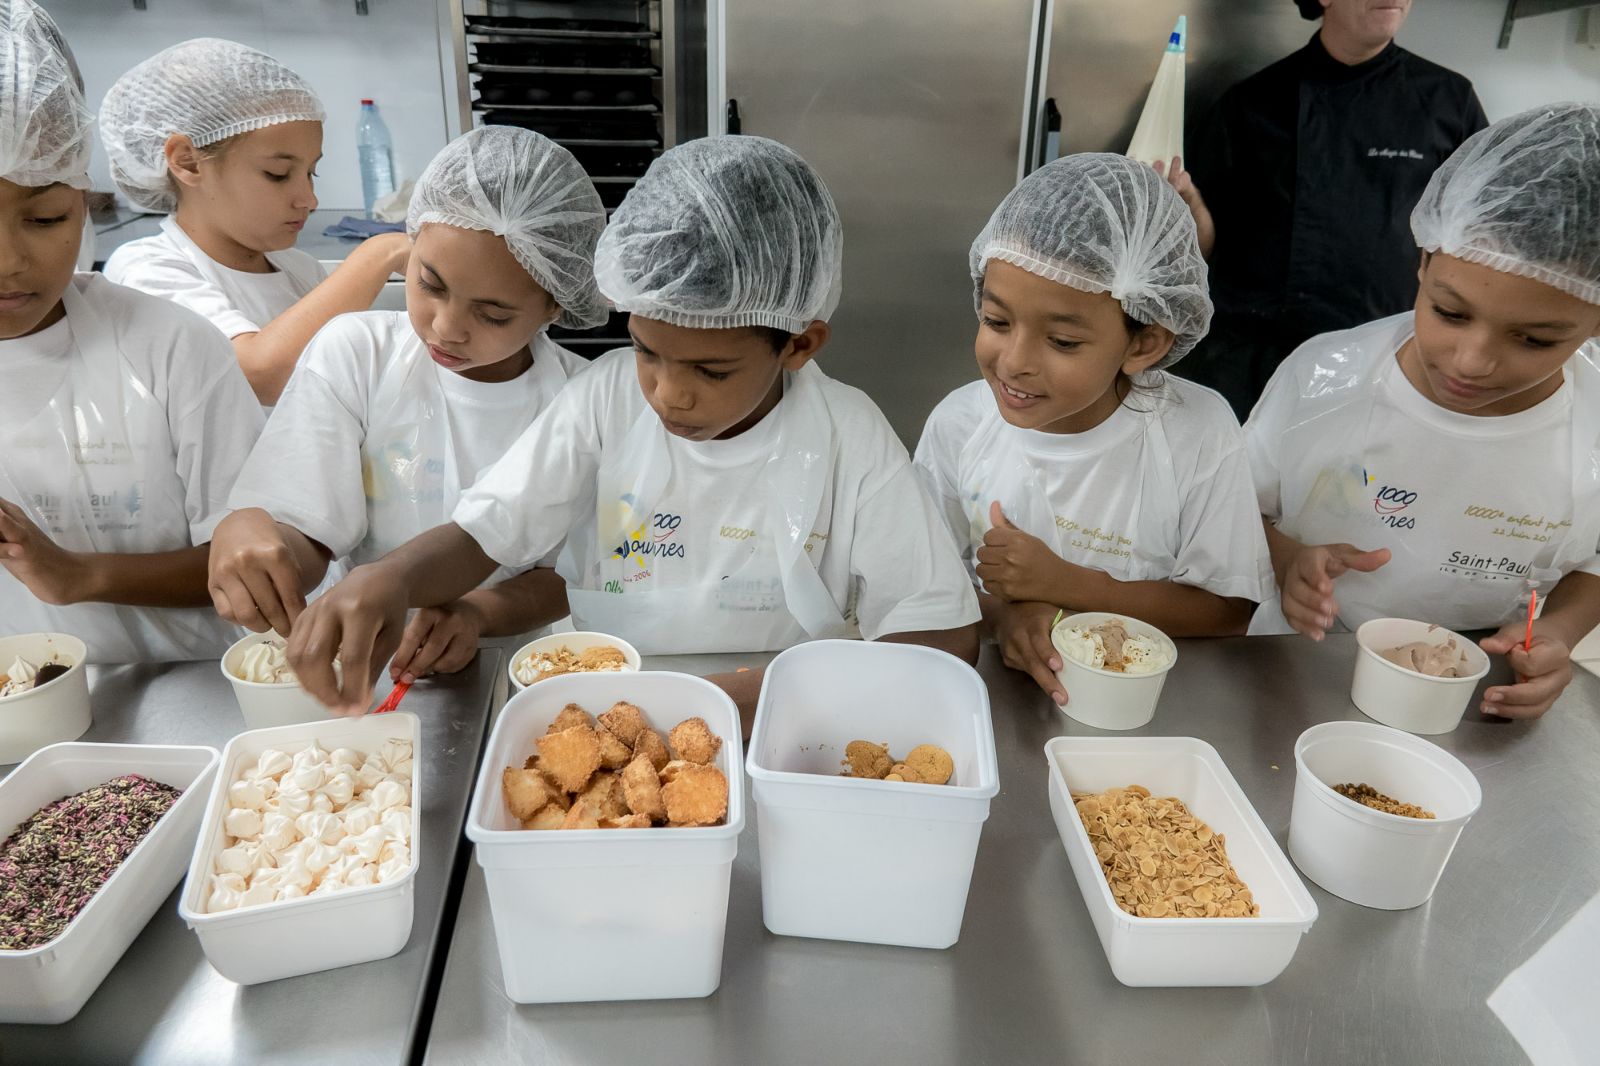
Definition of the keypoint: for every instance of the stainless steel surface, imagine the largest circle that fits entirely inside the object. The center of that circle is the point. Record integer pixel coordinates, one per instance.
(912, 112)
(1028, 982)
(164, 1005)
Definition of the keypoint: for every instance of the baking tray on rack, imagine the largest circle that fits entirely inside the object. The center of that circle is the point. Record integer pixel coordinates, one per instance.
(586, 55)
(566, 90)
(629, 129)
(581, 29)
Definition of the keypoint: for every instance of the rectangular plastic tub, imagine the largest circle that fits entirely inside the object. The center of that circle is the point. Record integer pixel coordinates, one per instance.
(1181, 952)
(300, 936)
(607, 914)
(873, 861)
(49, 984)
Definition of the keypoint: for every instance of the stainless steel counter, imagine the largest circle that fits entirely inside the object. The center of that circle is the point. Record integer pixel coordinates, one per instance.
(164, 1004)
(1028, 982)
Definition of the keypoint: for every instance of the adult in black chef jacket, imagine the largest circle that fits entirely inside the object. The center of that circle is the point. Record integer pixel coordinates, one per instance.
(1309, 171)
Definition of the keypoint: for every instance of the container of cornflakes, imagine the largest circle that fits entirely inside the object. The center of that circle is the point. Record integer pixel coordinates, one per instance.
(1404, 698)
(1370, 856)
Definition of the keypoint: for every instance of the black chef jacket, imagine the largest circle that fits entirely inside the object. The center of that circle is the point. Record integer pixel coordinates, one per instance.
(1311, 169)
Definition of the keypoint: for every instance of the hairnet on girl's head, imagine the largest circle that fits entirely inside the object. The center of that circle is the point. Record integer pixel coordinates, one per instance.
(529, 190)
(1523, 197)
(46, 130)
(1105, 223)
(723, 232)
(206, 89)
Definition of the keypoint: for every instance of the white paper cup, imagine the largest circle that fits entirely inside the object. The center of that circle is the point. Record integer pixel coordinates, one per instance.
(263, 705)
(1368, 856)
(578, 642)
(55, 712)
(1106, 699)
(1403, 698)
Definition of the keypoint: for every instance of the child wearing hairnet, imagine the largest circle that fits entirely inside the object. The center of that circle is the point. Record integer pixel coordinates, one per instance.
(721, 493)
(226, 140)
(391, 415)
(1444, 464)
(1074, 475)
(124, 418)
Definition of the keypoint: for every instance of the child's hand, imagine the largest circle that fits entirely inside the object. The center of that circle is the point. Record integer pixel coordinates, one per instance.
(438, 640)
(1023, 633)
(49, 571)
(359, 621)
(1543, 671)
(253, 576)
(1014, 565)
(1307, 597)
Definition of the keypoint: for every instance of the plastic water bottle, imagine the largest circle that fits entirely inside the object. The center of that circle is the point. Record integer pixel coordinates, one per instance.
(377, 156)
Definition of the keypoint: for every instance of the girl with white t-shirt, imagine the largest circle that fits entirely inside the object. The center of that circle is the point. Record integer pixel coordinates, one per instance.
(1444, 463)
(1074, 475)
(392, 415)
(124, 418)
(226, 140)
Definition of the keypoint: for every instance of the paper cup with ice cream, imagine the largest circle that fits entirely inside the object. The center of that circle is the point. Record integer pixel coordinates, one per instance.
(1415, 676)
(44, 692)
(570, 653)
(1113, 668)
(268, 692)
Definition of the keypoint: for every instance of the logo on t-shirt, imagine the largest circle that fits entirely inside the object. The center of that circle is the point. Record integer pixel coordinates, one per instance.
(1390, 501)
(1394, 153)
(656, 537)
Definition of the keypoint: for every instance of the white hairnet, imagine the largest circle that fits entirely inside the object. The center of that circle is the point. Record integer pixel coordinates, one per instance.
(522, 186)
(46, 130)
(1523, 197)
(206, 89)
(1104, 223)
(724, 232)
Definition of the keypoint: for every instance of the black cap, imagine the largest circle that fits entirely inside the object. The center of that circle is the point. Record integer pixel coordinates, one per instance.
(1309, 9)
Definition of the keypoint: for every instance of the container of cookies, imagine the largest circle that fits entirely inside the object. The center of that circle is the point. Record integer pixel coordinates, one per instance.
(33, 715)
(1178, 950)
(50, 983)
(1111, 695)
(267, 941)
(1377, 812)
(1407, 697)
(539, 660)
(584, 913)
(850, 858)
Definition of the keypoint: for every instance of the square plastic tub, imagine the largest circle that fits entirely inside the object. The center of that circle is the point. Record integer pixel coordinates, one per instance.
(878, 862)
(299, 936)
(582, 915)
(1180, 952)
(49, 984)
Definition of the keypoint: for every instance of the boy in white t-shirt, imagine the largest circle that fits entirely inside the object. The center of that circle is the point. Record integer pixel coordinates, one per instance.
(1442, 463)
(391, 415)
(720, 492)
(226, 140)
(1074, 475)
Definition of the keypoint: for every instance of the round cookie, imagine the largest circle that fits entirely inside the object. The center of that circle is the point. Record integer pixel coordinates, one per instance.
(932, 763)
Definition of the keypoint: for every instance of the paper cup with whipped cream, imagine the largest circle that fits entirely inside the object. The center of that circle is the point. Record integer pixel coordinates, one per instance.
(44, 692)
(1113, 668)
(268, 692)
(570, 653)
(1415, 676)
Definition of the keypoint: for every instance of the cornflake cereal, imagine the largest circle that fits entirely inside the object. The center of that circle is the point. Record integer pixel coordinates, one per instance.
(1159, 859)
(925, 764)
(1368, 796)
(543, 664)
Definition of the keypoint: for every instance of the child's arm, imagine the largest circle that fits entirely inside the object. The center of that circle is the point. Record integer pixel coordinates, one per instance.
(1021, 628)
(260, 570)
(1305, 575)
(1545, 669)
(445, 639)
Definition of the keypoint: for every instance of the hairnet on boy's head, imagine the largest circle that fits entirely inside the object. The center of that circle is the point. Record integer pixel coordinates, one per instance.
(529, 190)
(724, 232)
(206, 89)
(1105, 223)
(1522, 197)
(46, 130)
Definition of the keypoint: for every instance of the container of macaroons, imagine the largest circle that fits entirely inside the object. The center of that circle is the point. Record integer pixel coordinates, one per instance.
(606, 818)
(570, 653)
(44, 692)
(308, 853)
(93, 837)
(269, 694)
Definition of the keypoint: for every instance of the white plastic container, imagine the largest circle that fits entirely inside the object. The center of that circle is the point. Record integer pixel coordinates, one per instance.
(265, 706)
(1106, 699)
(49, 984)
(55, 712)
(1366, 856)
(1403, 698)
(1180, 952)
(293, 937)
(881, 862)
(607, 914)
(576, 641)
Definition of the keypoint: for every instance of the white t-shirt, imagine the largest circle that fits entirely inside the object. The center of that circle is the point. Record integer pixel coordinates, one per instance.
(1097, 485)
(195, 420)
(1466, 504)
(877, 543)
